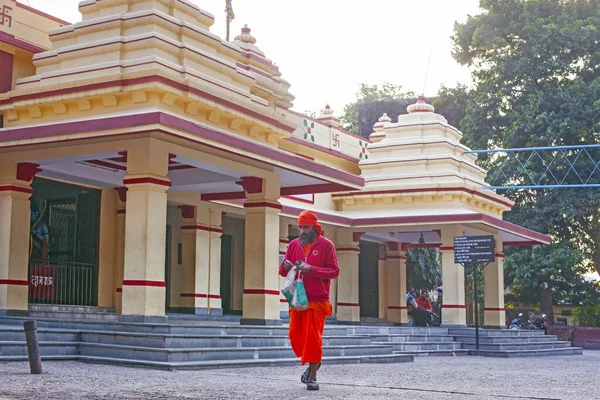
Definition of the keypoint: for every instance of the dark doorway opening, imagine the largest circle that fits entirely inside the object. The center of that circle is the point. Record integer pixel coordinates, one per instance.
(63, 244)
(368, 279)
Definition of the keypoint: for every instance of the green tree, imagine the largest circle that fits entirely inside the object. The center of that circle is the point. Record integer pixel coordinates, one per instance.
(536, 70)
(452, 103)
(368, 93)
(423, 267)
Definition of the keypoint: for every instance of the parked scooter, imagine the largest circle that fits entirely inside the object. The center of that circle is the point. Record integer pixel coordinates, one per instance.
(539, 323)
(517, 323)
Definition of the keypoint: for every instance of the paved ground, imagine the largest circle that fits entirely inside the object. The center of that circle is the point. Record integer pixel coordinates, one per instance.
(565, 377)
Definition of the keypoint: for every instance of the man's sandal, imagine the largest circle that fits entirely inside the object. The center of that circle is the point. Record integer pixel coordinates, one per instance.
(312, 385)
(306, 375)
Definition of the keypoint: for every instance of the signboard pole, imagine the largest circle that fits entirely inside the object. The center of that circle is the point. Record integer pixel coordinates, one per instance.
(476, 300)
(473, 251)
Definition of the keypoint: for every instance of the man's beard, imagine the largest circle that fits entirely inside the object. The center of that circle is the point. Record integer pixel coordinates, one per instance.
(306, 238)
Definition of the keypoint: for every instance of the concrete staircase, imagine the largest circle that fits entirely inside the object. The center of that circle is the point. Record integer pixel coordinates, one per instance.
(513, 343)
(183, 346)
(197, 344)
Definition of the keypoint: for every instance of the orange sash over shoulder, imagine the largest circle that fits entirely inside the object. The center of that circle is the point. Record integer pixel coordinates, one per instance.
(306, 331)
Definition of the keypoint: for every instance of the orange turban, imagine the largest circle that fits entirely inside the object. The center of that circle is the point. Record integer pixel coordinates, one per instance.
(309, 218)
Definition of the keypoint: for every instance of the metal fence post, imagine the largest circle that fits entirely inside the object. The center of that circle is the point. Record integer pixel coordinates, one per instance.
(33, 347)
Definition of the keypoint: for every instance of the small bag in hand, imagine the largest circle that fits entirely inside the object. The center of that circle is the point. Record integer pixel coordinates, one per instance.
(299, 298)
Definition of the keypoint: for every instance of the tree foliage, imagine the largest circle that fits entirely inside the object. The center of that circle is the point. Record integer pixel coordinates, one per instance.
(369, 93)
(536, 71)
(423, 267)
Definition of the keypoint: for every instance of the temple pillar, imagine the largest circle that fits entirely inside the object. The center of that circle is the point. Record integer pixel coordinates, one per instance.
(348, 250)
(396, 284)
(494, 315)
(201, 261)
(261, 299)
(15, 217)
(284, 229)
(382, 281)
(454, 311)
(121, 193)
(144, 287)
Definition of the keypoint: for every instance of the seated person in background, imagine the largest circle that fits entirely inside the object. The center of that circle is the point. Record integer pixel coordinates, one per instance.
(425, 304)
(420, 316)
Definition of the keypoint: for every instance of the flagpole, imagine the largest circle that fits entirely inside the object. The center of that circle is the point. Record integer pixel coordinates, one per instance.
(228, 19)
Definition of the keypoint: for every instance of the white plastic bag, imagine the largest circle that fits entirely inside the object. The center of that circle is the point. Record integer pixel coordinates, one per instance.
(288, 287)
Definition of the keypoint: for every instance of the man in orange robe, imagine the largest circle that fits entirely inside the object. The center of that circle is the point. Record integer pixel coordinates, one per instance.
(318, 265)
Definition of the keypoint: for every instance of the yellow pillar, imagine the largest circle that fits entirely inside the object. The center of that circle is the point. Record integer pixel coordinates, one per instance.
(454, 311)
(348, 306)
(14, 235)
(201, 261)
(144, 287)
(261, 303)
(382, 281)
(214, 274)
(107, 246)
(494, 315)
(283, 245)
(121, 193)
(396, 284)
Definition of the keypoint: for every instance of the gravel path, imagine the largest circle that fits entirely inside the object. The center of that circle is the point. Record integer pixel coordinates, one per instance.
(564, 377)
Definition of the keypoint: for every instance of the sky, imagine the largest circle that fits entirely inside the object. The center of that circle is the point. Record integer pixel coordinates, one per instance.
(327, 48)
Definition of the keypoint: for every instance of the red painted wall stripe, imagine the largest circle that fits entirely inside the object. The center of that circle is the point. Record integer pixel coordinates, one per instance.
(265, 204)
(262, 291)
(442, 248)
(397, 308)
(133, 282)
(15, 282)
(356, 249)
(348, 304)
(453, 306)
(494, 309)
(11, 188)
(201, 228)
(156, 181)
(121, 211)
(201, 295)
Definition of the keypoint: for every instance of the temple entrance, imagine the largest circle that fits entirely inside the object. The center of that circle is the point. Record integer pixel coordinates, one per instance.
(63, 244)
(368, 279)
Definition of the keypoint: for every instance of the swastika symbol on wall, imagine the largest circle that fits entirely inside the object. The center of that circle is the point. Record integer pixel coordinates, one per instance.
(5, 16)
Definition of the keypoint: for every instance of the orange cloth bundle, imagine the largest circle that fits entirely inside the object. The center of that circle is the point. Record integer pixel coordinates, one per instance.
(306, 331)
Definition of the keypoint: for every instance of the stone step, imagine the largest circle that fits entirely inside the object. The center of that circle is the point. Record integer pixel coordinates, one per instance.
(509, 340)
(396, 330)
(494, 332)
(215, 354)
(76, 316)
(16, 333)
(196, 341)
(198, 365)
(70, 309)
(567, 351)
(19, 348)
(424, 353)
(412, 338)
(523, 346)
(423, 346)
(73, 357)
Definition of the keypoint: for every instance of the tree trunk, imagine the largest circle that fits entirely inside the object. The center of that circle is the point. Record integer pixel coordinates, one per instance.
(596, 237)
(546, 300)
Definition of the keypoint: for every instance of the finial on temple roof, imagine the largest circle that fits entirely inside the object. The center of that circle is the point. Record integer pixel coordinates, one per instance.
(420, 106)
(246, 36)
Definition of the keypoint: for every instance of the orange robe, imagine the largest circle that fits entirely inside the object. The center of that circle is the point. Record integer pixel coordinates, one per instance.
(306, 329)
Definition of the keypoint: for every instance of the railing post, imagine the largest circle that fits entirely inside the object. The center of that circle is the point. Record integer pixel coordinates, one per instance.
(33, 347)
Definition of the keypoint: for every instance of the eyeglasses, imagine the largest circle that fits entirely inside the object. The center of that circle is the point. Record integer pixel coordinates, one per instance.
(304, 226)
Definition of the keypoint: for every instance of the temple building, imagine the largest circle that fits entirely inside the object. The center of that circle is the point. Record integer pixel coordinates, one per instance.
(150, 167)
